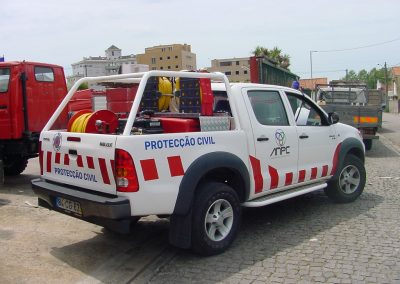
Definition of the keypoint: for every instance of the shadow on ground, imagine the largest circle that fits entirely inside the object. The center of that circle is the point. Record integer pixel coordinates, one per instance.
(380, 150)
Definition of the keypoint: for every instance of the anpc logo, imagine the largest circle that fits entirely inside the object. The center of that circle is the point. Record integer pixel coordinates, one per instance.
(280, 139)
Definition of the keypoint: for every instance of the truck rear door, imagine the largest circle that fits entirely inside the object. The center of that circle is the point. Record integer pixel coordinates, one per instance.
(79, 159)
(5, 109)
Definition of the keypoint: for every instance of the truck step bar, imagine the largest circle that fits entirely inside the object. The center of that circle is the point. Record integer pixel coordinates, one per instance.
(279, 196)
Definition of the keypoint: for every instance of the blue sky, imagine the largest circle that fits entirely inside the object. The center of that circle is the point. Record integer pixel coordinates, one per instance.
(62, 32)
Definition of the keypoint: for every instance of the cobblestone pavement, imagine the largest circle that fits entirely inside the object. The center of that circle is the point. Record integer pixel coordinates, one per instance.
(310, 239)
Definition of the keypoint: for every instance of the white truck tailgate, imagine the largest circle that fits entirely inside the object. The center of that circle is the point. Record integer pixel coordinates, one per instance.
(79, 159)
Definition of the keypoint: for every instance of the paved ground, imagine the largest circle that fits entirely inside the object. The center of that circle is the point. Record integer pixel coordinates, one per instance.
(391, 129)
(304, 240)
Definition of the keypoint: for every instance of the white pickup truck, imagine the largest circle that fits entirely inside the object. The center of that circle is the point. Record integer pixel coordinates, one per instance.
(260, 144)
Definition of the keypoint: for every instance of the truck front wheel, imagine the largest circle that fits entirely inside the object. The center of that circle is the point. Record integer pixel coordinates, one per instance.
(350, 183)
(216, 218)
(14, 165)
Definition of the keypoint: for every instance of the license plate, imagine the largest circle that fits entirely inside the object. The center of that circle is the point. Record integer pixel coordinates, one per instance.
(69, 205)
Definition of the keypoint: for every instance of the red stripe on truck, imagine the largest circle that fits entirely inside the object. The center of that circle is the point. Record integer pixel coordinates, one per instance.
(288, 179)
(79, 161)
(90, 162)
(257, 175)
(48, 162)
(324, 171)
(149, 169)
(58, 158)
(104, 172)
(66, 159)
(335, 159)
(302, 175)
(274, 177)
(314, 172)
(175, 166)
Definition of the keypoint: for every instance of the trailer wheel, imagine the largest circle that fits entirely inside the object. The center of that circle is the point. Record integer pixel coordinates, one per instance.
(350, 183)
(216, 218)
(368, 144)
(14, 165)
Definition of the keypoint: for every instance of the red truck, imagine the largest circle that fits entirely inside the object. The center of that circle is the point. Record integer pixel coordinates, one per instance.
(29, 94)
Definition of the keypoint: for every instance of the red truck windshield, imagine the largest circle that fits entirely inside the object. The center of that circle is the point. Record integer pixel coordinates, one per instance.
(4, 79)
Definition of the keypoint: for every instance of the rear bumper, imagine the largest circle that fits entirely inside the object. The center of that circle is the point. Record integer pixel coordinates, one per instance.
(94, 207)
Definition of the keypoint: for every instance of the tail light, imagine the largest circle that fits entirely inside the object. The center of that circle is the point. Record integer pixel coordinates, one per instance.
(125, 172)
(41, 158)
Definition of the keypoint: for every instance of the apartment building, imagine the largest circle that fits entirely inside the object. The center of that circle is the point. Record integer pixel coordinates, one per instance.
(110, 64)
(236, 69)
(168, 57)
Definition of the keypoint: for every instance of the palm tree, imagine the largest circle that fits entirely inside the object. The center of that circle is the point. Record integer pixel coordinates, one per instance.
(283, 60)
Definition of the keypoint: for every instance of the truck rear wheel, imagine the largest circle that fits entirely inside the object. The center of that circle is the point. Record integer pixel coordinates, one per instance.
(368, 144)
(216, 218)
(350, 183)
(14, 165)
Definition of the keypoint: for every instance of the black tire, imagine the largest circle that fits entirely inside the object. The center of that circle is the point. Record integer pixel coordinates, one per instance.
(209, 195)
(368, 144)
(350, 182)
(14, 165)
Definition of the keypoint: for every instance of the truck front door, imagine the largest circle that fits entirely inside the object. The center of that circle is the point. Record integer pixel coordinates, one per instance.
(276, 144)
(317, 139)
(5, 112)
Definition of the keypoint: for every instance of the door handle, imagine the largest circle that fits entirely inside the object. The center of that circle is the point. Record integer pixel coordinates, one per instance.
(262, 139)
(303, 136)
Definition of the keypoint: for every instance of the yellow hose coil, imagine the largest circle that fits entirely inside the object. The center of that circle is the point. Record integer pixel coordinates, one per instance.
(79, 125)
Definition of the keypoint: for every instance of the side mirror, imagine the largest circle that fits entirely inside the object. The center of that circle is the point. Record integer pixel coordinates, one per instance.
(333, 117)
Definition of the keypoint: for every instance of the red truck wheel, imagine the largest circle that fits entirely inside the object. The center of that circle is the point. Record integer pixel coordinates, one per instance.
(14, 166)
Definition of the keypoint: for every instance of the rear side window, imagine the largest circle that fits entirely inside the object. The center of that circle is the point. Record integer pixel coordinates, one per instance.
(4, 79)
(268, 107)
(44, 74)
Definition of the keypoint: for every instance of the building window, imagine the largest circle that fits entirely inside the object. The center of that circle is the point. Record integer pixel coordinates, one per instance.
(245, 72)
(237, 62)
(176, 66)
(237, 72)
(169, 67)
(227, 73)
(162, 49)
(170, 48)
(112, 53)
(153, 60)
(226, 63)
(161, 68)
(176, 56)
(160, 58)
(153, 68)
(168, 57)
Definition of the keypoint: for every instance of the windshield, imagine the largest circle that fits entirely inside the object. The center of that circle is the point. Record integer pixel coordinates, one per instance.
(4, 79)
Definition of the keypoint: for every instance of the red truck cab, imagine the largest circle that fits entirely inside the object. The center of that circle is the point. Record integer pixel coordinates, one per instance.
(29, 94)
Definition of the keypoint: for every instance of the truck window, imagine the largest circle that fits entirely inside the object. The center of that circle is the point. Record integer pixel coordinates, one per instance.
(304, 112)
(4, 79)
(268, 107)
(44, 74)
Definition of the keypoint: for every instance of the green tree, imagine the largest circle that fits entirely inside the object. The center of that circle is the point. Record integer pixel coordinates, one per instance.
(283, 60)
(368, 77)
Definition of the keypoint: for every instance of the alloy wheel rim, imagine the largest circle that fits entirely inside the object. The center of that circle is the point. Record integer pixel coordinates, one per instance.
(219, 220)
(350, 179)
